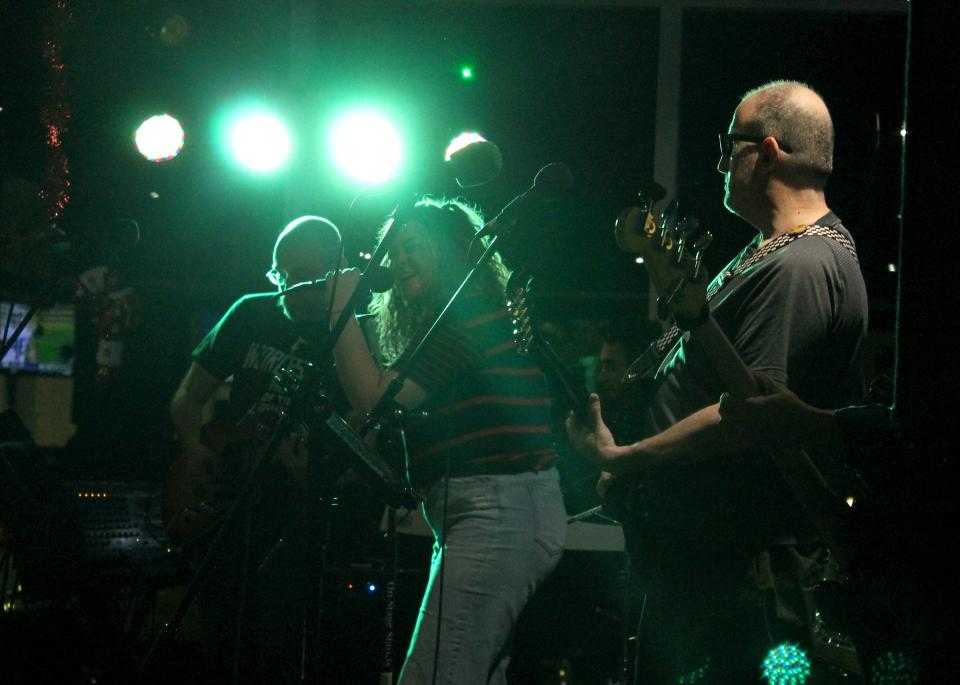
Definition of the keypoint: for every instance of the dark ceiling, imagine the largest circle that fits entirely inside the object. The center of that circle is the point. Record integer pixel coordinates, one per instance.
(569, 83)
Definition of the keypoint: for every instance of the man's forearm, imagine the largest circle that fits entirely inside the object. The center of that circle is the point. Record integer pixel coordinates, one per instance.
(698, 437)
(187, 417)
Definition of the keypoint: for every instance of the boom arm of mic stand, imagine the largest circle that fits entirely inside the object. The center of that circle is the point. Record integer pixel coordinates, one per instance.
(386, 401)
(388, 237)
(253, 478)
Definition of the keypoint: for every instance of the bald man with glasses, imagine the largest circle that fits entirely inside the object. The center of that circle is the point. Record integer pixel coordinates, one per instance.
(722, 551)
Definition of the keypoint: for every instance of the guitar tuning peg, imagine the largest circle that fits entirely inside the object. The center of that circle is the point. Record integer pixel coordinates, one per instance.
(700, 244)
(653, 193)
(702, 241)
(690, 225)
(668, 222)
(685, 228)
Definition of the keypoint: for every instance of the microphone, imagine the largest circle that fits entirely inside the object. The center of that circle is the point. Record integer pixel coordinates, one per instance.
(475, 164)
(550, 183)
(379, 279)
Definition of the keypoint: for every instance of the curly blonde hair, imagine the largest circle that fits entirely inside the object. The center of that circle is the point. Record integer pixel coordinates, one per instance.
(450, 225)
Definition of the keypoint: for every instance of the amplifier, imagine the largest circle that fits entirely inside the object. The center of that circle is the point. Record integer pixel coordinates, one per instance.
(121, 526)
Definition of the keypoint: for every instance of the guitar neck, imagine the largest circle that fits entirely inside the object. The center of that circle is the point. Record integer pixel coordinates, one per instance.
(713, 343)
(798, 470)
(573, 392)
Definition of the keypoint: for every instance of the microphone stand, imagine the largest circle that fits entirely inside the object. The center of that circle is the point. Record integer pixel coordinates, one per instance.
(387, 404)
(321, 499)
(387, 400)
(250, 482)
(317, 552)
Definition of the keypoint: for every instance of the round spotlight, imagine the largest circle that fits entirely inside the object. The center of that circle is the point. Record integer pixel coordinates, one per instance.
(159, 138)
(260, 142)
(366, 146)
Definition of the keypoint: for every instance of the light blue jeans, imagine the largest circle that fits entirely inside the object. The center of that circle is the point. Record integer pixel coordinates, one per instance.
(505, 534)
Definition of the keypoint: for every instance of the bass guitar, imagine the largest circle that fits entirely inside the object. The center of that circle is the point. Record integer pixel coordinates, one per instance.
(673, 254)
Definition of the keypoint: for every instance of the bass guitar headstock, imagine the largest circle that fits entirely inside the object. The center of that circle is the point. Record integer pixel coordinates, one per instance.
(671, 248)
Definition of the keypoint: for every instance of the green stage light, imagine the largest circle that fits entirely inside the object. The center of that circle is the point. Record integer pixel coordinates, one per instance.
(159, 138)
(466, 73)
(786, 664)
(366, 146)
(259, 141)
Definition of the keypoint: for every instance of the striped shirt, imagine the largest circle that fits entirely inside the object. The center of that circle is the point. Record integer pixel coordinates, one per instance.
(489, 407)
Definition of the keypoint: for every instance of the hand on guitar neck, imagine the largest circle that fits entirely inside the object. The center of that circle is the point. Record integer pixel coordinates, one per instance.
(591, 437)
(208, 475)
(672, 253)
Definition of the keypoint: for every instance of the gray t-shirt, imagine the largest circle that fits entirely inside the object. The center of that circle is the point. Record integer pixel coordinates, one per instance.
(800, 315)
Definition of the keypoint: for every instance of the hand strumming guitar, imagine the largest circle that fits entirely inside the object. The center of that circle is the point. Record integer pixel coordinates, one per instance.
(203, 471)
(593, 439)
(776, 418)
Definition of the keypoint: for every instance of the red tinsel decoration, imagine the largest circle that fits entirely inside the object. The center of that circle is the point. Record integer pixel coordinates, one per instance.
(56, 112)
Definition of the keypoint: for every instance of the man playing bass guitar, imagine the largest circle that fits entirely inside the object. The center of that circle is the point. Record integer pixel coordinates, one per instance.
(722, 547)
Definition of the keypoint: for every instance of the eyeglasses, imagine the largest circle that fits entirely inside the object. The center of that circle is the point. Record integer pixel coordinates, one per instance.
(727, 140)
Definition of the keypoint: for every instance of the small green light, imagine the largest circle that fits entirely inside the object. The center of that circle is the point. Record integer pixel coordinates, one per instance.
(466, 73)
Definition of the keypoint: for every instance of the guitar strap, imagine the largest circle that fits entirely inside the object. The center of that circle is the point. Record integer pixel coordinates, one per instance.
(650, 361)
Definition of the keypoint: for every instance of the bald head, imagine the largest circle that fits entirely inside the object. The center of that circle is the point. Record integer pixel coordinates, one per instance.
(306, 250)
(308, 235)
(797, 117)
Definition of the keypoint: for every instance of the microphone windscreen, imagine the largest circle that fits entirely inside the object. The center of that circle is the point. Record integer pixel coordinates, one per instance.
(476, 164)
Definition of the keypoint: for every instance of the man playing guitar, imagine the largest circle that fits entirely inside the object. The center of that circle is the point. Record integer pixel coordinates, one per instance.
(250, 620)
(723, 548)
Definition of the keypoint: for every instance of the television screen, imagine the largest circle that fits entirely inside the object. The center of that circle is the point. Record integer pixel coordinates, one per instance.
(46, 344)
